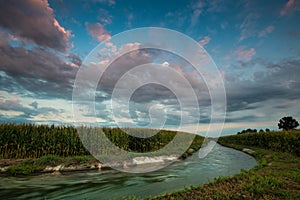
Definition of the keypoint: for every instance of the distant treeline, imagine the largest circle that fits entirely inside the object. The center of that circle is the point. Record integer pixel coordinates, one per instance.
(284, 141)
(249, 130)
(33, 141)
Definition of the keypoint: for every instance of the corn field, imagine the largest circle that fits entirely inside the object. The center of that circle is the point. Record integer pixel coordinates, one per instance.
(284, 141)
(34, 141)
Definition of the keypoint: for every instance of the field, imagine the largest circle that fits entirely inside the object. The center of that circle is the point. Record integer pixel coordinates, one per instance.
(39, 145)
(282, 141)
(276, 177)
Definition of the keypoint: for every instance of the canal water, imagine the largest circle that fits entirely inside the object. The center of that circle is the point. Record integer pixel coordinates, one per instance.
(221, 161)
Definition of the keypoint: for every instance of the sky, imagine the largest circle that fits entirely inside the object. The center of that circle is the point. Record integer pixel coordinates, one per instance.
(254, 44)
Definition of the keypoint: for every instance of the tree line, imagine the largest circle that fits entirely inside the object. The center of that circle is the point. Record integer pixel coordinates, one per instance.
(285, 123)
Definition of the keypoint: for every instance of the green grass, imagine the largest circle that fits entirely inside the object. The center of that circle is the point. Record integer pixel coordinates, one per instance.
(43, 146)
(31, 166)
(23, 169)
(284, 141)
(277, 176)
(34, 141)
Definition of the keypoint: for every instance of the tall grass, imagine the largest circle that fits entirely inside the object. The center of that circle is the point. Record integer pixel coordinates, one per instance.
(31, 141)
(284, 141)
(34, 141)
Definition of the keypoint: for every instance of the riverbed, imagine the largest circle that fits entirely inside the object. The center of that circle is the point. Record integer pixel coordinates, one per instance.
(221, 161)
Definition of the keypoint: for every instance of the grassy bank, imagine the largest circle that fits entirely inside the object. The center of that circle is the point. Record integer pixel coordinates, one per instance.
(31, 166)
(276, 177)
(28, 149)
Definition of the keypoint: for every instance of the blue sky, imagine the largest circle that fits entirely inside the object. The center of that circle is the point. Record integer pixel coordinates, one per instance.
(255, 45)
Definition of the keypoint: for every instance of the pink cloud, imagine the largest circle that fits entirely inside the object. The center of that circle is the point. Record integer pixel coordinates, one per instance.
(10, 104)
(205, 41)
(244, 54)
(266, 31)
(97, 31)
(14, 99)
(287, 7)
(34, 22)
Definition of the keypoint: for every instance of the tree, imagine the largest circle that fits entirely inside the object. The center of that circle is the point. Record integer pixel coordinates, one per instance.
(287, 123)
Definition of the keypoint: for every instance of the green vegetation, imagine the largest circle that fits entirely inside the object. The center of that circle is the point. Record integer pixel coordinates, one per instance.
(30, 166)
(42, 146)
(32, 141)
(24, 168)
(284, 141)
(276, 177)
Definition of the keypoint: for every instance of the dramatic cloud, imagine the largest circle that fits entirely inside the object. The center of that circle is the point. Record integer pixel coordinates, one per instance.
(255, 45)
(149, 93)
(278, 82)
(36, 72)
(34, 22)
(205, 41)
(149, 96)
(97, 31)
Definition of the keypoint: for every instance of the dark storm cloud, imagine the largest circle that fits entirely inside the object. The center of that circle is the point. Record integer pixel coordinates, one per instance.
(36, 71)
(150, 92)
(279, 81)
(33, 21)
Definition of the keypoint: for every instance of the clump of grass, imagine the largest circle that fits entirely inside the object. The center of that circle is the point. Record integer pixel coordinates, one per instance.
(31, 165)
(23, 169)
(79, 159)
(50, 160)
(262, 185)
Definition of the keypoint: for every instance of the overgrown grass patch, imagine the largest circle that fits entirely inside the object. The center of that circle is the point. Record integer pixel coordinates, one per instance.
(30, 166)
(23, 168)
